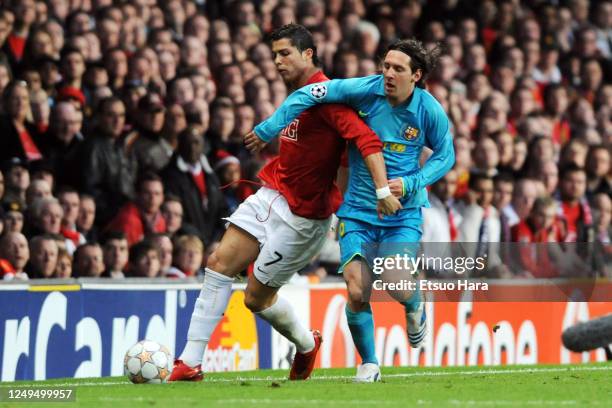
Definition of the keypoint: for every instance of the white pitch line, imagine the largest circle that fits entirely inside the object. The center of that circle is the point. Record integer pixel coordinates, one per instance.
(345, 377)
(269, 401)
(272, 402)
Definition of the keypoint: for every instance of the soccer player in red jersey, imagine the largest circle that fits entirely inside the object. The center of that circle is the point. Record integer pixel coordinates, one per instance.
(284, 224)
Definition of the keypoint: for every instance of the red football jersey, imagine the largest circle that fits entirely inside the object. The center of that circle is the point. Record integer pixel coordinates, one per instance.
(310, 149)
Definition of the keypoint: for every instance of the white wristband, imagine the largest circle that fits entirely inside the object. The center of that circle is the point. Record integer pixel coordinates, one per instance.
(382, 193)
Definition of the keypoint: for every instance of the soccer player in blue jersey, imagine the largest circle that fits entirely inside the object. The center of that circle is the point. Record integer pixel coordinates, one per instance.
(406, 118)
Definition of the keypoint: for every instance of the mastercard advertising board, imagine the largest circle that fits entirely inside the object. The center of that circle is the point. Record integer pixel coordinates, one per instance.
(235, 344)
(469, 332)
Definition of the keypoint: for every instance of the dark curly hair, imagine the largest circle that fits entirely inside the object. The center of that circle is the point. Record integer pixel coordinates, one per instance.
(420, 57)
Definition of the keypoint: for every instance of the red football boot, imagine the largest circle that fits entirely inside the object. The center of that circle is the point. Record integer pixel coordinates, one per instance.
(182, 372)
(304, 363)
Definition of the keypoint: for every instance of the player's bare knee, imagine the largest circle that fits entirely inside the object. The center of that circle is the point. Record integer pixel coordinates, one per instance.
(355, 294)
(218, 265)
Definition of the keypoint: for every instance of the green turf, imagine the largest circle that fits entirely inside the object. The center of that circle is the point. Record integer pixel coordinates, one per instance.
(554, 386)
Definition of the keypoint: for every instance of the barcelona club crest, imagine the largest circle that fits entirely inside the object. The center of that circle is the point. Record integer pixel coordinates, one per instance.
(411, 133)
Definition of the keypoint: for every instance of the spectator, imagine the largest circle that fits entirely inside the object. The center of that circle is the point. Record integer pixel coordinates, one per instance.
(222, 124)
(141, 218)
(190, 177)
(144, 258)
(548, 173)
(15, 251)
(188, 255)
(36, 190)
(172, 211)
(13, 217)
(574, 209)
(166, 248)
(60, 145)
(64, 265)
(598, 171)
(602, 208)
(150, 152)
(70, 202)
(540, 225)
(480, 218)
(116, 254)
(24, 13)
(87, 215)
(481, 224)
(108, 169)
(18, 133)
(88, 261)
(228, 170)
(441, 221)
(72, 69)
(174, 123)
(43, 259)
(524, 194)
(486, 157)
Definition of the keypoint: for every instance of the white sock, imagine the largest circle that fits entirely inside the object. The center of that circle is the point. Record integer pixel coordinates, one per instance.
(283, 318)
(208, 310)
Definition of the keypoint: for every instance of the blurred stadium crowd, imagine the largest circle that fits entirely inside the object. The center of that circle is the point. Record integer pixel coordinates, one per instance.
(122, 119)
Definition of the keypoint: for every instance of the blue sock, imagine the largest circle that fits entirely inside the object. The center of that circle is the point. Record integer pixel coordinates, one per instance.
(361, 325)
(413, 303)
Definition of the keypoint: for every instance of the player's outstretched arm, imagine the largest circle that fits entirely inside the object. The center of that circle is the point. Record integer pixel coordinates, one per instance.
(348, 91)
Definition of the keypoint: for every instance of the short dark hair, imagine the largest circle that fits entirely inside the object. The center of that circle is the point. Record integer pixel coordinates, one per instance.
(66, 189)
(503, 177)
(476, 177)
(420, 57)
(570, 168)
(106, 103)
(141, 248)
(170, 198)
(112, 235)
(300, 38)
(145, 178)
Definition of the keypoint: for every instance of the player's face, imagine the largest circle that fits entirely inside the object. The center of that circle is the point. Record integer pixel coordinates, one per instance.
(289, 61)
(399, 77)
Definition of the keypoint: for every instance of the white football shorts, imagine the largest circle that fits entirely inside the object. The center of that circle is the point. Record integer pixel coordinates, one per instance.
(287, 242)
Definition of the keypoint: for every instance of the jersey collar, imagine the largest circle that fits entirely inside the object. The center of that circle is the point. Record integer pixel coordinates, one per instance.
(318, 76)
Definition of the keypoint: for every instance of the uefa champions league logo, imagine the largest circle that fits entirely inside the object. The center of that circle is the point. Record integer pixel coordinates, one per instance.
(318, 91)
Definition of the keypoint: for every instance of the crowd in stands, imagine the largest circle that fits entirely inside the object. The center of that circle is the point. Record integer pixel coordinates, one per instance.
(121, 121)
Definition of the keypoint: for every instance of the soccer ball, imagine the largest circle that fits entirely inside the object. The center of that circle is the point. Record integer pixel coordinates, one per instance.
(147, 362)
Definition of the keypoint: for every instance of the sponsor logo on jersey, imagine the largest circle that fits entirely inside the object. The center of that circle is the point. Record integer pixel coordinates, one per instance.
(395, 147)
(411, 133)
(291, 131)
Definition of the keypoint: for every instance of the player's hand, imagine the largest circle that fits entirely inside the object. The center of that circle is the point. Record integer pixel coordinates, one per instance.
(388, 206)
(397, 187)
(253, 143)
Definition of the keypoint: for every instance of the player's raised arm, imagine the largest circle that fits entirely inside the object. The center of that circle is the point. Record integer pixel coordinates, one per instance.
(347, 91)
(440, 140)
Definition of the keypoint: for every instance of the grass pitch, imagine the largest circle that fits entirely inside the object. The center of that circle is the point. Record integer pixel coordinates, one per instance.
(516, 386)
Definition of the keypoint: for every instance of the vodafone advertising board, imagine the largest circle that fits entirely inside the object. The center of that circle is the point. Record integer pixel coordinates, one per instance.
(464, 333)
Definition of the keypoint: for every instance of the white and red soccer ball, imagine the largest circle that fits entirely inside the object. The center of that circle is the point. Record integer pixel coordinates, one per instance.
(148, 362)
